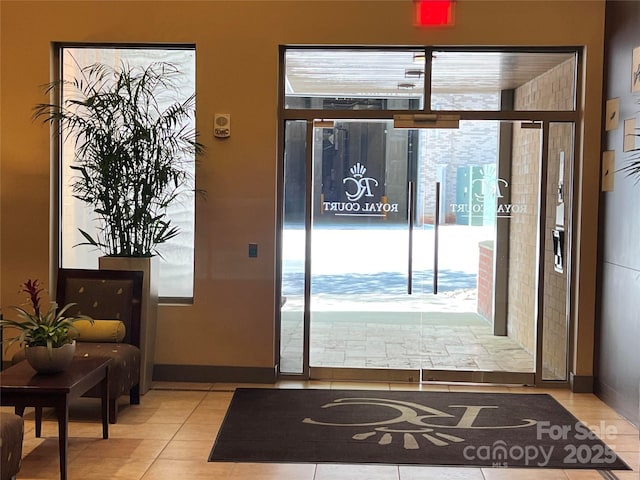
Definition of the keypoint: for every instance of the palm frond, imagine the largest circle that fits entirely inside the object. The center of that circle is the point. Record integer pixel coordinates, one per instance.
(134, 142)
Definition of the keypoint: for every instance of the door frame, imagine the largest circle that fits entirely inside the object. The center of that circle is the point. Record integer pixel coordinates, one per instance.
(543, 117)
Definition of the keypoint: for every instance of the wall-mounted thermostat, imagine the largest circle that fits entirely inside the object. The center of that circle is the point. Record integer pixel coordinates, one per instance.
(222, 125)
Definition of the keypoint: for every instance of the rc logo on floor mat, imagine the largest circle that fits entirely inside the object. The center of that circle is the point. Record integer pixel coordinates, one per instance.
(419, 416)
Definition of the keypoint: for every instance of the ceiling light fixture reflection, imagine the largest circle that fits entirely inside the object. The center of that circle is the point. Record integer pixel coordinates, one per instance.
(413, 73)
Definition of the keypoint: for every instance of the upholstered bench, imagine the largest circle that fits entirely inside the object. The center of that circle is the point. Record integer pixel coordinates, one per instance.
(11, 436)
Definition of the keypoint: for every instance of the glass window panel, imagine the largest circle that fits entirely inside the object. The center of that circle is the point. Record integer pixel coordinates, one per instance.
(176, 265)
(366, 79)
(293, 248)
(493, 80)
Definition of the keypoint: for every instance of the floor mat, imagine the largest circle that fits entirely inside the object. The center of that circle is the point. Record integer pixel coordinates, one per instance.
(414, 428)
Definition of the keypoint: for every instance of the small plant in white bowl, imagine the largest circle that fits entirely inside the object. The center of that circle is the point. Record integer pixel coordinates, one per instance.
(51, 330)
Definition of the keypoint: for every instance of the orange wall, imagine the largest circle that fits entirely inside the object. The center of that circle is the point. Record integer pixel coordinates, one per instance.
(232, 319)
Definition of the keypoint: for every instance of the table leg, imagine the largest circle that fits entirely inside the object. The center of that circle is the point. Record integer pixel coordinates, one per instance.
(19, 410)
(105, 403)
(38, 422)
(62, 412)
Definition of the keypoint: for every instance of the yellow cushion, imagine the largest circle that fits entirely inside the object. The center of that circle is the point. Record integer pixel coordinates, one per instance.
(100, 331)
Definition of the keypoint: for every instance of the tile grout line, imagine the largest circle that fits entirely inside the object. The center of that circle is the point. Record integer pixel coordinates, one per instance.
(157, 457)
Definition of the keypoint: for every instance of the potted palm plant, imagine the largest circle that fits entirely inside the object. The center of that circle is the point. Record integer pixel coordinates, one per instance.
(133, 142)
(131, 150)
(47, 335)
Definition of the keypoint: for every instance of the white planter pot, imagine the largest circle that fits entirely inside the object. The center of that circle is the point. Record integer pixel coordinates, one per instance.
(149, 312)
(46, 362)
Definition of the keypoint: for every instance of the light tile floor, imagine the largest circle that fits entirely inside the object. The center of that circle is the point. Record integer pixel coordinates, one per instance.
(170, 434)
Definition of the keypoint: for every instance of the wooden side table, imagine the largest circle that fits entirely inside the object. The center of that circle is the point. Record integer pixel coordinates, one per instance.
(21, 386)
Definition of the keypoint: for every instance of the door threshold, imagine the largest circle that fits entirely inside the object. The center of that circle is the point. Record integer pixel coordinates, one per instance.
(421, 376)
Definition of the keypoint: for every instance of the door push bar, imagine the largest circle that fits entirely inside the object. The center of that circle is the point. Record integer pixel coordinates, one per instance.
(436, 227)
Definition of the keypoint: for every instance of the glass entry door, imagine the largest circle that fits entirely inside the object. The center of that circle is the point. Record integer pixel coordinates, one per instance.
(360, 242)
(360, 237)
(414, 250)
(420, 248)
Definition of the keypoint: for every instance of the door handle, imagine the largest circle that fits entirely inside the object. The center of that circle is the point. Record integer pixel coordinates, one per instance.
(436, 227)
(410, 209)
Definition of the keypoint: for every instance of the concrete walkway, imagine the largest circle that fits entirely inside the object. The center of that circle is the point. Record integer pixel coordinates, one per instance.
(377, 332)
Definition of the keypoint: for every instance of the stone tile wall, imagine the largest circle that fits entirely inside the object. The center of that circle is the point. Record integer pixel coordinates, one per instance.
(551, 91)
(485, 280)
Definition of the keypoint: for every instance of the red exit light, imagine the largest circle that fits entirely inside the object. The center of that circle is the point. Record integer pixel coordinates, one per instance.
(434, 13)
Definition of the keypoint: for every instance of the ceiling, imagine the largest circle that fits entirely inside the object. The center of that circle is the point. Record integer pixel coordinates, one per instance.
(373, 72)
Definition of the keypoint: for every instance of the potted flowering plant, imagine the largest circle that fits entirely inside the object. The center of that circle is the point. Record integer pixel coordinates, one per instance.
(48, 336)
